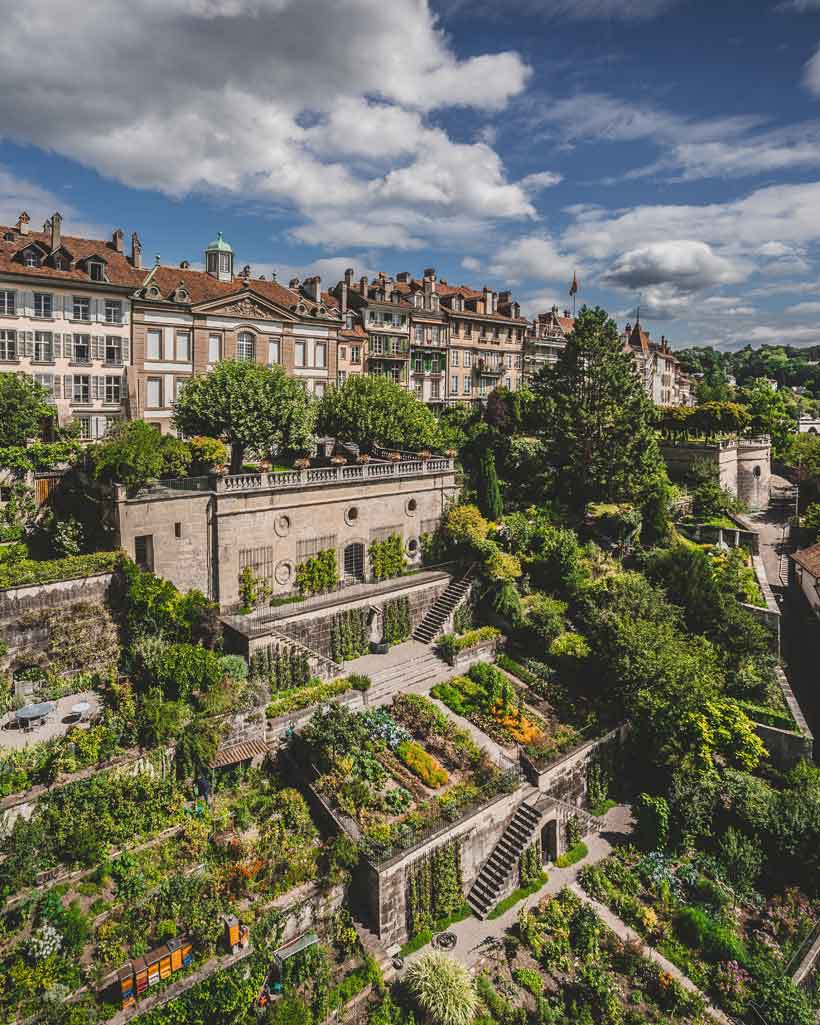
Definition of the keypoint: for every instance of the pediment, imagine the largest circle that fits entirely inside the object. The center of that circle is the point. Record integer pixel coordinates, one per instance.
(246, 305)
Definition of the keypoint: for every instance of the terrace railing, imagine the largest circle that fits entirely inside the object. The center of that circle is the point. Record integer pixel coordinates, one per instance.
(441, 820)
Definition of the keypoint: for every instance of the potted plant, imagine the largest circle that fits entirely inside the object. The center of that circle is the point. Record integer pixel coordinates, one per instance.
(338, 461)
(302, 463)
(425, 454)
(363, 458)
(394, 457)
(450, 453)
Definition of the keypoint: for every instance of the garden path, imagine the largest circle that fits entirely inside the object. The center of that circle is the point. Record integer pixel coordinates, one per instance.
(500, 754)
(623, 932)
(475, 937)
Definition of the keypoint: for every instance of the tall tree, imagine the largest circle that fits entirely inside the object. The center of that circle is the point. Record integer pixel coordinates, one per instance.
(489, 493)
(249, 406)
(596, 420)
(367, 409)
(24, 408)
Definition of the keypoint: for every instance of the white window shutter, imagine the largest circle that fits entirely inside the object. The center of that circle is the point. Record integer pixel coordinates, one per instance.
(126, 351)
(68, 346)
(56, 386)
(97, 347)
(68, 306)
(55, 345)
(68, 386)
(29, 343)
(26, 300)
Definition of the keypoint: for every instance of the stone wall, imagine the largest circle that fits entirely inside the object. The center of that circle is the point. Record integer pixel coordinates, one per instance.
(786, 748)
(312, 628)
(743, 466)
(386, 887)
(24, 611)
(566, 778)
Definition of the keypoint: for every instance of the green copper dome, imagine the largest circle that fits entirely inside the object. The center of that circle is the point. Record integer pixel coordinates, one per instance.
(219, 244)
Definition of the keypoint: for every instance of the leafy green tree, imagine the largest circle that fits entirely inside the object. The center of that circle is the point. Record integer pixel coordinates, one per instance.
(368, 410)
(249, 406)
(24, 409)
(135, 453)
(596, 419)
(770, 414)
(489, 493)
(810, 521)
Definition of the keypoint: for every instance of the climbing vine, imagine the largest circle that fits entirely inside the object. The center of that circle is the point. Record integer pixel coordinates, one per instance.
(387, 557)
(318, 573)
(435, 887)
(283, 666)
(80, 636)
(349, 635)
(397, 621)
(530, 864)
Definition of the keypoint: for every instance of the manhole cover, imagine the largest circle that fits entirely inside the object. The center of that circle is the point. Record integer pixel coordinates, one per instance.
(446, 940)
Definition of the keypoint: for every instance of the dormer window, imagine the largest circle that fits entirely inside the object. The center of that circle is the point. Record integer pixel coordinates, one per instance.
(8, 236)
(30, 258)
(95, 270)
(152, 292)
(349, 321)
(58, 263)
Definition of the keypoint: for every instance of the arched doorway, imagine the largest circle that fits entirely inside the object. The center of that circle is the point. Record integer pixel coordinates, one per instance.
(549, 840)
(354, 561)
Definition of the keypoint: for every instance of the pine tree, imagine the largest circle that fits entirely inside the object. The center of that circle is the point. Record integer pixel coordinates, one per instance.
(489, 493)
(595, 417)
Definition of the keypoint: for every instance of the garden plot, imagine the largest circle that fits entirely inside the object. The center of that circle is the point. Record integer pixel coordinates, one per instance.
(561, 963)
(393, 774)
(736, 950)
(492, 702)
(254, 843)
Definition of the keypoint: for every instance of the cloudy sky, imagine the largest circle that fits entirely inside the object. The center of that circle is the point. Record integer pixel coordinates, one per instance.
(667, 149)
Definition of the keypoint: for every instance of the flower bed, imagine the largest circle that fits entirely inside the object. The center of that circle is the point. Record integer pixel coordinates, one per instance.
(297, 698)
(489, 699)
(450, 646)
(734, 952)
(397, 774)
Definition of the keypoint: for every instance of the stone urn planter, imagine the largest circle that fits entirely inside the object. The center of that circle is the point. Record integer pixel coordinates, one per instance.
(394, 457)
(363, 459)
(301, 464)
(425, 454)
(338, 461)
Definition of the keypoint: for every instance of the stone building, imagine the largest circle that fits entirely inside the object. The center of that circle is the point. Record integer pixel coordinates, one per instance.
(743, 465)
(184, 321)
(545, 340)
(384, 314)
(65, 318)
(663, 377)
(204, 532)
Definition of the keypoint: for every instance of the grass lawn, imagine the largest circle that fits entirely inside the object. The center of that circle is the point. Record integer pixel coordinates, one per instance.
(517, 895)
(571, 857)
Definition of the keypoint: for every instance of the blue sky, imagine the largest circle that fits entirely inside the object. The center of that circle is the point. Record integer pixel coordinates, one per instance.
(663, 148)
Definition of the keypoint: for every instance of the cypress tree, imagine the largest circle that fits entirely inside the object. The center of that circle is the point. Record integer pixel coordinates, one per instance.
(489, 493)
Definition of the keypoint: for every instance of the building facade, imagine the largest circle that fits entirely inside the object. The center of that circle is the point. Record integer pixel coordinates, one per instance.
(545, 340)
(65, 318)
(185, 321)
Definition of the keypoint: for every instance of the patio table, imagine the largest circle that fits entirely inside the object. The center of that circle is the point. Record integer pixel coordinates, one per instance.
(80, 709)
(28, 715)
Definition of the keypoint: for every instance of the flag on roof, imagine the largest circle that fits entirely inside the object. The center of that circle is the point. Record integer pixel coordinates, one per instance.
(573, 288)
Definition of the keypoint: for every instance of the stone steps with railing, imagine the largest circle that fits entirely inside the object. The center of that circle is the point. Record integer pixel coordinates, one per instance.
(495, 873)
(442, 608)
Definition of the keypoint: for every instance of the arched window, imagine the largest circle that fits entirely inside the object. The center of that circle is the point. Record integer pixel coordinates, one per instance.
(246, 347)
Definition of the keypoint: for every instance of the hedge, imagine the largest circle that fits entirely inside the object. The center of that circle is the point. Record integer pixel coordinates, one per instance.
(768, 716)
(450, 645)
(47, 571)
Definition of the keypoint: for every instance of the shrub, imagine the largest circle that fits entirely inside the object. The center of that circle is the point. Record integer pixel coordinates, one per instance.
(16, 572)
(443, 989)
(302, 697)
(424, 765)
(387, 557)
(360, 682)
(576, 853)
(652, 822)
(449, 645)
(235, 667)
(206, 454)
(717, 941)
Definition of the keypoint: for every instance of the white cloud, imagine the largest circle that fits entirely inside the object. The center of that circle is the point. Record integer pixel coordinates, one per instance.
(18, 194)
(315, 104)
(533, 257)
(470, 263)
(803, 309)
(540, 180)
(687, 265)
(800, 6)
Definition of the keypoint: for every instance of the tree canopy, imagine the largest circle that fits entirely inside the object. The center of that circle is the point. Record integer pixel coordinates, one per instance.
(249, 406)
(596, 420)
(369, 410)
(135, 453)
(23, 409)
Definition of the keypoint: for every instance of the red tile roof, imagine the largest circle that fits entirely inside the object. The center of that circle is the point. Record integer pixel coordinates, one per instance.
(809, 559)
(118, 267)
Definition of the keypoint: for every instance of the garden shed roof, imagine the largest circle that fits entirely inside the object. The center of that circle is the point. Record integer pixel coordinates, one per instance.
(239, 753)
(809, 559)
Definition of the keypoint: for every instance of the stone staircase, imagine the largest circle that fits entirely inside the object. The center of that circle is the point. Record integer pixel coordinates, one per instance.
(495, 872)
(415, 674)
(430, 627)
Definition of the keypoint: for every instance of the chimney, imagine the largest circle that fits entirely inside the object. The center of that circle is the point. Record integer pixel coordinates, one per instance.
(47, 226)
(395, 296)
(567, 313)
(117, 240)
(23, 223)
(342, 292)
(246, 272)
(184, 265)
(349, 277)
(363, 286)
(293, 283)
(136, 251)
(489, 298)
(314, 288)
(382, 276)
(403, 276)
(516, 310)
(56, 225)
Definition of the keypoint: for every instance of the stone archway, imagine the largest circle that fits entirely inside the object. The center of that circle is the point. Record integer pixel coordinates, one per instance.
(549, 840)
